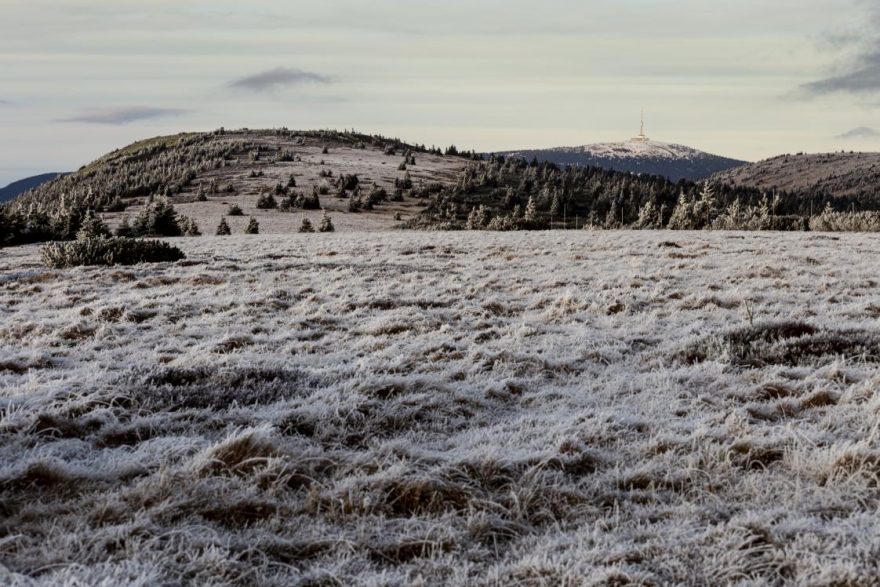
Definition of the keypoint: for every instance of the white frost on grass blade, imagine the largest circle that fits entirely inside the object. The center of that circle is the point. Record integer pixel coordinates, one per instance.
(403, 408)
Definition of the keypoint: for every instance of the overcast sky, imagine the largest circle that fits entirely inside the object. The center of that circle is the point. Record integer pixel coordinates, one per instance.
(743, 78)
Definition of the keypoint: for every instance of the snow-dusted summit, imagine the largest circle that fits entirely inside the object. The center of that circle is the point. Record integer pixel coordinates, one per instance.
(639, 155)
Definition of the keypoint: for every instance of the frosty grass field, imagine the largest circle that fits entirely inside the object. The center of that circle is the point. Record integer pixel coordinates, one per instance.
(556, 408)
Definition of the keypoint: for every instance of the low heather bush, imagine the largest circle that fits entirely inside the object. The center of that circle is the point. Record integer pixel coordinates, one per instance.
(108, 251)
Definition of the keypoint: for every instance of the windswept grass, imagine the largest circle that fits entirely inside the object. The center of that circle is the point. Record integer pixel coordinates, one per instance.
(561, 408)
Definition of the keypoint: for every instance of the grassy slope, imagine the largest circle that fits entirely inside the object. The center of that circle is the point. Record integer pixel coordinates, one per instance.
(370, 163)
(839, 174)
(412, 408)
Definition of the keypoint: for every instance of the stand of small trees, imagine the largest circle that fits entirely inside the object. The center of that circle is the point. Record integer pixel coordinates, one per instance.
(267, 202)
(490, 195)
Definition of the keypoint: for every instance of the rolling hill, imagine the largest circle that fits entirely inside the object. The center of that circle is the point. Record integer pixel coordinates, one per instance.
(636, 156)
(204, 174)
(839, 175)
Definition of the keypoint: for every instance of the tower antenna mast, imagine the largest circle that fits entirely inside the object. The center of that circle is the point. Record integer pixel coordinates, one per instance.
(641, 138)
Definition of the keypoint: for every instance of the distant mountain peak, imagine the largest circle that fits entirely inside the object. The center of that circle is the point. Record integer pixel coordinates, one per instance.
(636, 148)
(637, 155)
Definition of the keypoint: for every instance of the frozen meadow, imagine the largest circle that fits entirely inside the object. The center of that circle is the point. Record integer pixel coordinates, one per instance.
(555, 408)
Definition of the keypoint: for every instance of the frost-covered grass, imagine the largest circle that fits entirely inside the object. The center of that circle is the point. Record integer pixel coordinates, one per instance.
(564, 408)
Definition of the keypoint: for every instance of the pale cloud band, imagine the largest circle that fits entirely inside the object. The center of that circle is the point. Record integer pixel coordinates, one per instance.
(278, 78)
(860, 133)
(863, 79)
(124, 115)
(862, 75)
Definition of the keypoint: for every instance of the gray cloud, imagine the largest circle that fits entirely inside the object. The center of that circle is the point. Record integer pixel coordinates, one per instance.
(277, 78)
(862, 132)
(863, 78)
(5, 102)
(124, 115)
(862, 75)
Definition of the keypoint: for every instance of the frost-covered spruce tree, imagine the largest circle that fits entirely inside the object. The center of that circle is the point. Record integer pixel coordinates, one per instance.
(555, 204)
(326, 224)
(189, 226)
(648, 217)
(253, 227)
(306, 225)
(223, 228)
(158, 218)
(531, 209)
(705, 209)
(683, 214)
(92, 226)
(235, 210)
(472, 223)
(733, 217)
(267, 202)
(482, 217)
(762, 218)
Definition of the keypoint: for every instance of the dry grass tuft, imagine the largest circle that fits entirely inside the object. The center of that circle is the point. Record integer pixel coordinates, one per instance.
(240, 454)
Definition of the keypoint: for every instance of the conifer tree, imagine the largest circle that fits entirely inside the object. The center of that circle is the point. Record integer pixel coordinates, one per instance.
(531, 210)
(253, 227)
(472, 222)
(158, 218)
(223, 228)
(92, 226)
(683, 214)
(189, 226)
(647, 216)
(555, 205)
(267, 202)
(763, 219)
(705, 209)
(326, 224)
(306, 225)
(612, 218)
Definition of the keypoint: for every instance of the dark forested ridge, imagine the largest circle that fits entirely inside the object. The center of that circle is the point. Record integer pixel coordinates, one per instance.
(17, 188)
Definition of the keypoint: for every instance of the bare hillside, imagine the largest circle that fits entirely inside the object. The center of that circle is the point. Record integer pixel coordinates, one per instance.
(836, 174)
(206, 173)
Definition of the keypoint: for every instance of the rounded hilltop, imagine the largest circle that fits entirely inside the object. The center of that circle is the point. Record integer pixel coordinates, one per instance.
(367, 181)
(639, 154)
